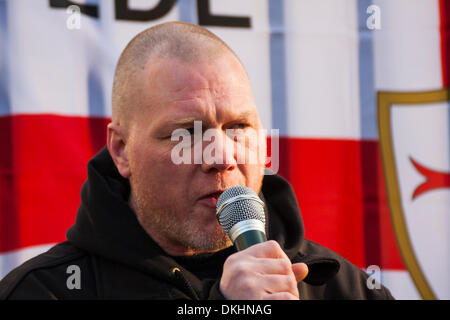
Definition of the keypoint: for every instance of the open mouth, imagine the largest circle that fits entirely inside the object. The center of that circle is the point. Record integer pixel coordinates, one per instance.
(210, 200)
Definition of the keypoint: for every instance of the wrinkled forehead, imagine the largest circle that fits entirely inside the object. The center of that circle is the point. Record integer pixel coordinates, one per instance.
(219, 72)
(208, 85)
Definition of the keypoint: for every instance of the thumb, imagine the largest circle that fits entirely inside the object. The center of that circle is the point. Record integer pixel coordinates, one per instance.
(300, 271)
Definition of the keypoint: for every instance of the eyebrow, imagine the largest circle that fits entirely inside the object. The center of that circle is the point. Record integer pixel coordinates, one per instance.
(244, 115)
(183, 122)
(190, 120)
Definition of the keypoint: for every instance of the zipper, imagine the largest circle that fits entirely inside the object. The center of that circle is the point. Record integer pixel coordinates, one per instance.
(179, 275)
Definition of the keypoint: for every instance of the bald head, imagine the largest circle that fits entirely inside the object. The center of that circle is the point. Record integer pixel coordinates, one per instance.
(169, 78)
(173, 40)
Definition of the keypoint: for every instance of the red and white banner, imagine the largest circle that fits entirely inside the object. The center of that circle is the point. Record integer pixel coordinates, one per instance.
(357, 89)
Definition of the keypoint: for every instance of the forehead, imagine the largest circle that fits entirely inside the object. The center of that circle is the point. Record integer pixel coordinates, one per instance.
(218, 87)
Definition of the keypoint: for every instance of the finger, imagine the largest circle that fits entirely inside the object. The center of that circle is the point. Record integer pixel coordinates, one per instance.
(300, 271)
(268, 249)
(280, 296)
(271, 266)
(275, 283)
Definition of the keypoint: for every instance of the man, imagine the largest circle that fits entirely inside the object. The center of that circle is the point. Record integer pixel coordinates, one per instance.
(146, 227)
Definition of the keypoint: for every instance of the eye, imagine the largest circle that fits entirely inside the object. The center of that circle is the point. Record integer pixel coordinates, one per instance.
(239, 126)
(190, 130)
(181, 132)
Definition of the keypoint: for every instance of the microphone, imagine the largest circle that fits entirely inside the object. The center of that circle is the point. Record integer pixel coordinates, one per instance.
(240, 212)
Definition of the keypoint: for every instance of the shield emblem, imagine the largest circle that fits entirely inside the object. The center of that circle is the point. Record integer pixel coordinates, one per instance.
(414, 139)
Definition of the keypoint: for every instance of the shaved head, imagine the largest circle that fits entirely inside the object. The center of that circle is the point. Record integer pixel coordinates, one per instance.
(167, 78)
(182, 41)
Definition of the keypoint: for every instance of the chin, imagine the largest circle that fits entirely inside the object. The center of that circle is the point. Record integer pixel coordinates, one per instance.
(208, 240)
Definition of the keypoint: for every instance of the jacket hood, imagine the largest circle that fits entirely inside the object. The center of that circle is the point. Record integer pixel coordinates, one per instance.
(106, 225)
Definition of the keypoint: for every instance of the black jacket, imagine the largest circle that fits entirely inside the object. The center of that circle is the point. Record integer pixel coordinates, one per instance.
(114, 258)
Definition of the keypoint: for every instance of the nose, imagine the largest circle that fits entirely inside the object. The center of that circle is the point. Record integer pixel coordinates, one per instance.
(218, 152)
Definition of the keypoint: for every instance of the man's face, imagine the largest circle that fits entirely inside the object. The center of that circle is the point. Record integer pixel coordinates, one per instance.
(175, 203)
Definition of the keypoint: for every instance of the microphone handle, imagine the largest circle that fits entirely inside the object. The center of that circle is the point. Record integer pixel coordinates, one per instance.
(249, 238)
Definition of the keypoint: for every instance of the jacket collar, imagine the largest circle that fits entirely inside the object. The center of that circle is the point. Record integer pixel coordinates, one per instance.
(106, 225)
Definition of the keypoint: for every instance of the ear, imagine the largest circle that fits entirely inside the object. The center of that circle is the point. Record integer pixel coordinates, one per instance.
(116, 144)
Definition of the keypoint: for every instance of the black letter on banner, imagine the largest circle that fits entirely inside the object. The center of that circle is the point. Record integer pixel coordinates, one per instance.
(205, 18)
(125, 13)
(90, 10)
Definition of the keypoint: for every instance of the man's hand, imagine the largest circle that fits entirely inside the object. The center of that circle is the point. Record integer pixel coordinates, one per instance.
(262, 271)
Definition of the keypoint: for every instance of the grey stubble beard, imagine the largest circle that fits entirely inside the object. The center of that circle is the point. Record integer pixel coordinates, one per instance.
(165, 229)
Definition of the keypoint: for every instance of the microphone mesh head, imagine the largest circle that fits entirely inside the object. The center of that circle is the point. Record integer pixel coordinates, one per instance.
(245, 207)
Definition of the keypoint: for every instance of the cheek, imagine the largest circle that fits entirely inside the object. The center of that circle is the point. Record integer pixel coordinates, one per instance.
(153, 168)
(251, 147)
(146, 163)
(255, 155)
(253, 174)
